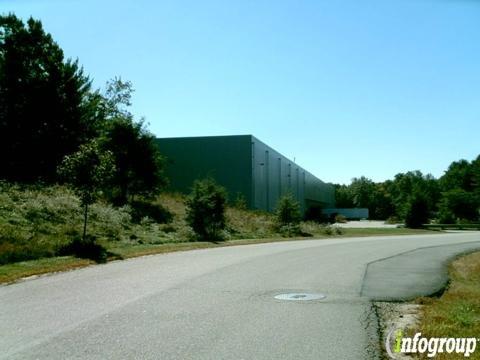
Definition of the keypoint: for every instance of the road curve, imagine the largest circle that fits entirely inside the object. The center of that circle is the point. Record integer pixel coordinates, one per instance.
(215, 303)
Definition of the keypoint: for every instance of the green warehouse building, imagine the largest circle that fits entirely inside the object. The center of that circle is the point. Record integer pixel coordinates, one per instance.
(246, 167)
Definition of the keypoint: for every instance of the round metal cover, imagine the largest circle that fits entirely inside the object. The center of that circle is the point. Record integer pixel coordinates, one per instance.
(300, 296)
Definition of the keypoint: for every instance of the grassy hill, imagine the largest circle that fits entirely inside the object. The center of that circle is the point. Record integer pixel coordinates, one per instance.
(38, 222)
(38, 225)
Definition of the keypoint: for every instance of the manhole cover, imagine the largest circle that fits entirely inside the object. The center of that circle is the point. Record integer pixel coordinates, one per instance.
(300, 296)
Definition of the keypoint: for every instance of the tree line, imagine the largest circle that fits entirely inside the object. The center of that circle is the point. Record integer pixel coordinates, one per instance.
(55, 128)
(416, 198)
(49, 110)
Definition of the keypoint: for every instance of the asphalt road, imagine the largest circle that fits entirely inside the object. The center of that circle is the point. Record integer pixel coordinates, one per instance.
(219, 303)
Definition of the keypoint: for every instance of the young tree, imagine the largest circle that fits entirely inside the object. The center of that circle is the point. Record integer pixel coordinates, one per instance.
(288, 211)
(87, 170)
(139, 165)
(288, 215)
(206, 209)
(46, 110)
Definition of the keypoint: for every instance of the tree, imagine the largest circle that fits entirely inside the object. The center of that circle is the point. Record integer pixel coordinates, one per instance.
(288, 215)
(459, 175)
(417, 212)
(458, 204)
(139, 165)
(87, 170)
(406, 185)
(362, 191)
(343, 196)
(206, 209)
(46, 106)
(381, 205)
(288, 211)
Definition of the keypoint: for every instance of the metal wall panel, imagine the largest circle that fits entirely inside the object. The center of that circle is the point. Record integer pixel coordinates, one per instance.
(243, 165)
(227, 159)
(274, 175)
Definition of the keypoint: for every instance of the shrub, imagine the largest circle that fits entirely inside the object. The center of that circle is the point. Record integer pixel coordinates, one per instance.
(288, 211)
(445, 216)
(417, 212)
(328, 230)
(205, 212)
(85, 249)
(290, 230)
(240, 202)
(156, 212)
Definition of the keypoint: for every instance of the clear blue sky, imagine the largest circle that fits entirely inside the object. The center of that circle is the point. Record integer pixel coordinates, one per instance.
(347, 87)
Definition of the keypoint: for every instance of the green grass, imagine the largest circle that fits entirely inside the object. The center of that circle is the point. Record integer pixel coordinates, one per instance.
(12, 272)
(37, 224)
(457, 312)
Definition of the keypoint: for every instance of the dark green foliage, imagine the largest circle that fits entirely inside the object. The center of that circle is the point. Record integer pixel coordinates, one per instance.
(87, 170)
(362, 190)
(413, 182)
(381, 206)
(343, 196)
(314, 213)
(86, 249)
(390, 199)
(206, 210)
(416, 212)
(142, 208)
(459, 175)
(139, 165)
(288, 211)
(460, 199)
(458, 204)
(46, 107)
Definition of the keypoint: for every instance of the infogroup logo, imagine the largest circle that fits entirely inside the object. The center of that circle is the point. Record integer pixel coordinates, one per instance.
(396, 344)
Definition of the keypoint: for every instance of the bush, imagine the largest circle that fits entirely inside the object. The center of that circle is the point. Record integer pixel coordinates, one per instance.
(85, 249)
(290, 230)
(288, 211)
(328, 230)
(417, 212)
(156, 212)
(206, 210)
(445, 216)
(240, 202)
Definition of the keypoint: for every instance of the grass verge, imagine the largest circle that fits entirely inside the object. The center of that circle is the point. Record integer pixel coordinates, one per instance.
(12, 272)
(457, 312)
(15, 271)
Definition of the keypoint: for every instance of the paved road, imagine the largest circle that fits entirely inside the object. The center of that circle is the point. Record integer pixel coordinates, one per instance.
(213, 304)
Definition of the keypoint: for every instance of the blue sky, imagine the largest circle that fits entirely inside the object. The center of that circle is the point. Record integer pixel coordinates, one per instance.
(347, 87)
